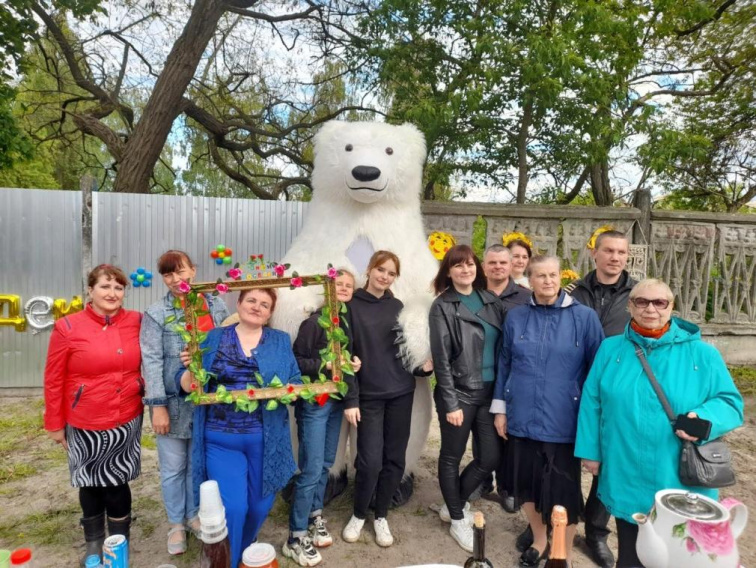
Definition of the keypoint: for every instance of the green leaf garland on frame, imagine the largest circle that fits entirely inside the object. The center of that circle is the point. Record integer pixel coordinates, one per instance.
(243, 402)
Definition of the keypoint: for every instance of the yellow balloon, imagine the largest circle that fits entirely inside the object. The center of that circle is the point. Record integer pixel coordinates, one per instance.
(439, 243)
(61, 309)
(14, 317)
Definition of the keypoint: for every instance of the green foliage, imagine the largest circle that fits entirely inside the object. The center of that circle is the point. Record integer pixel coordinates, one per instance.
(15, 145)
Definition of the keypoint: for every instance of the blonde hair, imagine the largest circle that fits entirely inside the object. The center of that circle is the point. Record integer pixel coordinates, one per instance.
(650, 283)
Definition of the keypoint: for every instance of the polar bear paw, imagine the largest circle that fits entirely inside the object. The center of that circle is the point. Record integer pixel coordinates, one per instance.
(415, 333)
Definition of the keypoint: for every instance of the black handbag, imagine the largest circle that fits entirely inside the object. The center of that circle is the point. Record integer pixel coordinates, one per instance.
(704, 465)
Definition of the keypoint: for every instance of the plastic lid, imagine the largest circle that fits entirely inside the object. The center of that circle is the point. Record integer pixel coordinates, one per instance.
(21, 555)
(92, 561)
(258, 554)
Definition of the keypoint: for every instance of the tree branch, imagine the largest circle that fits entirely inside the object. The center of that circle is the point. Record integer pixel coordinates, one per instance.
(718, 14)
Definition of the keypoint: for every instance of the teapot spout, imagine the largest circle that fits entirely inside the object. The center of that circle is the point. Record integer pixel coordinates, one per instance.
(651, 549)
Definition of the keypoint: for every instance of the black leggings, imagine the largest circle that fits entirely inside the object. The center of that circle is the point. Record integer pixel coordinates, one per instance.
(627, 535)
(455, 487)
(115, 500)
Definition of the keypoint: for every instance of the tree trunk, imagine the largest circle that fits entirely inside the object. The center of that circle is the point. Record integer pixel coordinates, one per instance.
(642, 229)
(522, 150)
(164, 105)
(602, 191)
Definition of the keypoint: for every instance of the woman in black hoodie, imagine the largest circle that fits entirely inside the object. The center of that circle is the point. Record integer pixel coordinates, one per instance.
(379, 401)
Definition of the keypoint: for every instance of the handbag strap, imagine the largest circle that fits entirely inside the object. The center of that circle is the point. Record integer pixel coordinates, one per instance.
(655, 384)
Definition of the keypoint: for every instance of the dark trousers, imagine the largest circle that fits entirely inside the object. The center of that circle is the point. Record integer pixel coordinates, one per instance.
(457, 488)
(627, 535)
(596, 516)
(116, 501)
(382, 437)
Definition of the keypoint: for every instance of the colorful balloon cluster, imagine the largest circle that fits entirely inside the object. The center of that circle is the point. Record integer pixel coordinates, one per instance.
(141, 277)
(221, 254)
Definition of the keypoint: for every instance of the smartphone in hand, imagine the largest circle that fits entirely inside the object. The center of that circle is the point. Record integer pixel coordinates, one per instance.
(696, 427)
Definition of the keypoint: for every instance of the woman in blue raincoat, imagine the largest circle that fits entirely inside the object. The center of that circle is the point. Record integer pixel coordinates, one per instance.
(624, 435)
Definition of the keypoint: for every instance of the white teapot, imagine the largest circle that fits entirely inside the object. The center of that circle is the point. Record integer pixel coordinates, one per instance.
(690, 530)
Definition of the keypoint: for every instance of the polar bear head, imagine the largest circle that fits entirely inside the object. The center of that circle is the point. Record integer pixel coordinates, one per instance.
(368, 162)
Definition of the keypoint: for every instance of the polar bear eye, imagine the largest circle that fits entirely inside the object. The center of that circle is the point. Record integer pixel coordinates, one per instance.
(348, 147)
(389, 150)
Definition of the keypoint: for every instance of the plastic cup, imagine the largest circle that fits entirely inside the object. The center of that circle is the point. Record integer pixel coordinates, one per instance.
(211, 505)
(5, 558)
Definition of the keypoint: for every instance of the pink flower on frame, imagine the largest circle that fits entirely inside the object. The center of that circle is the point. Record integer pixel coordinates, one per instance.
(296, 282)
(279, 269)
(184, 287)
(221, 288)
(332, 273)
(235, 273)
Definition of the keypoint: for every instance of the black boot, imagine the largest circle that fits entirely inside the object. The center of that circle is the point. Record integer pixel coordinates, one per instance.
(94, 535)
(600, 552)
(120, 526)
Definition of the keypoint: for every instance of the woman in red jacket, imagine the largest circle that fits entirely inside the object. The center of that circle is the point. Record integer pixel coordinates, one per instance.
(93, 403)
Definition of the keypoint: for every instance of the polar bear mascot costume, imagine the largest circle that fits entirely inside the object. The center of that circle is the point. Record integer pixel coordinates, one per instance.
(367, 181)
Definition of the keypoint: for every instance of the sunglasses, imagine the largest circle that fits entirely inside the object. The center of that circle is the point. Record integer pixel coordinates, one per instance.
(659, 303)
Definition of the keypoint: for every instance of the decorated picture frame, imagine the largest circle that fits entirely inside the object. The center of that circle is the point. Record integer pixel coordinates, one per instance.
(315, 390)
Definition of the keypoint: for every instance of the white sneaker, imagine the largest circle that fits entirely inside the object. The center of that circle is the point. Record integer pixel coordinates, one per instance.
(302, 552)
(353, 529)
(319, 534)
(462, 532)
(444, 512)
(383, 533)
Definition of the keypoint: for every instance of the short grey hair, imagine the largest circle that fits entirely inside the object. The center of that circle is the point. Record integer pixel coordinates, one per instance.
(497, 248)
(542, 259)
(650, 283)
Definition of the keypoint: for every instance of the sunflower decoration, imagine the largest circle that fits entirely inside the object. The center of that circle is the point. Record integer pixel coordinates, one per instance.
(592, 241)
(439, 243)
(516, 236)
(568, 276)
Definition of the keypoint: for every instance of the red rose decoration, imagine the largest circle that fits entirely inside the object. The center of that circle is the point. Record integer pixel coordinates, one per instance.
(193, 387)
(321, 399)
(290, 389)
(296, 282)
(335, 320)
(251, 392)
(336, 379)
(189, 327)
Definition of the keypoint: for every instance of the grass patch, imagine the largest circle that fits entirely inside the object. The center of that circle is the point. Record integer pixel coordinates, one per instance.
(56, 527)
(745, 380)
(148, 441)
(16, 471)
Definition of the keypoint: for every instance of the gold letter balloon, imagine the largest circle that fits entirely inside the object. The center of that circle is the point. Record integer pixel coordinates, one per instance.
(40, 312)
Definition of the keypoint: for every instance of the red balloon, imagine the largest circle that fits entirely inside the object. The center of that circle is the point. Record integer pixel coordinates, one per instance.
(228, 252)
(214, 254)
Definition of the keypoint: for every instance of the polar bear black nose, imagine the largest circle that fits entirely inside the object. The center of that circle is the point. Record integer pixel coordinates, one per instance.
(366, 173)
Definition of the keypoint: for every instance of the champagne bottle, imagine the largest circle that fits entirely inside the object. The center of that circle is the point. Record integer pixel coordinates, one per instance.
(558, 556)
(478, 559)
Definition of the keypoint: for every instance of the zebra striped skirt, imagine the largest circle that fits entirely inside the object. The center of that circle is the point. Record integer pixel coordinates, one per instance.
(105, 458)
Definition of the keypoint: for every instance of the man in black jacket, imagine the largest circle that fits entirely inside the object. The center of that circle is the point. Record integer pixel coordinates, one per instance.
(497, 266)
(605, 289)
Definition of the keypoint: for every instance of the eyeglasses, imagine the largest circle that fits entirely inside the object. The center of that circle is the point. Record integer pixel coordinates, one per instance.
(659, 303)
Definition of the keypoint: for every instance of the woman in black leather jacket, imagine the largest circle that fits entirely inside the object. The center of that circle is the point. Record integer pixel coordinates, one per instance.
(465, 329)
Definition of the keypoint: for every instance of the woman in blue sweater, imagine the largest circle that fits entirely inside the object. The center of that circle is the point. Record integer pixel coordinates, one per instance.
(248, 454)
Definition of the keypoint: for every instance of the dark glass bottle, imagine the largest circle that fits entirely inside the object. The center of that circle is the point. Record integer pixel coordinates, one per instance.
(216, 554)
(558, 556)
(478, 559)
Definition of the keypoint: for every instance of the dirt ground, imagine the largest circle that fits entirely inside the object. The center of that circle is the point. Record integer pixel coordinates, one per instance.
(38, 508)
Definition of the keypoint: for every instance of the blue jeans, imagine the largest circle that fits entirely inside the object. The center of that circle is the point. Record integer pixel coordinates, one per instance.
(235, 461)
(318, 429)
(175, 455)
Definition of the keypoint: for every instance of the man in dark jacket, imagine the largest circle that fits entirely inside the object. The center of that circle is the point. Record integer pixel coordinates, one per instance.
(497, 266)
(605, 289)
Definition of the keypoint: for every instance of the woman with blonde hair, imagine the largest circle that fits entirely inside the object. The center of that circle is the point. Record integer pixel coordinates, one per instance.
(624, 434)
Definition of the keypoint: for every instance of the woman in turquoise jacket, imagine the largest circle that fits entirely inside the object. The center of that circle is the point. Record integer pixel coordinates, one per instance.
(623, 433)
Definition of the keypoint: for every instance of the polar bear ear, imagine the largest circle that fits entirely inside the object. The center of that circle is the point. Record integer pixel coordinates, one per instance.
(328, 133)
(415, 141)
